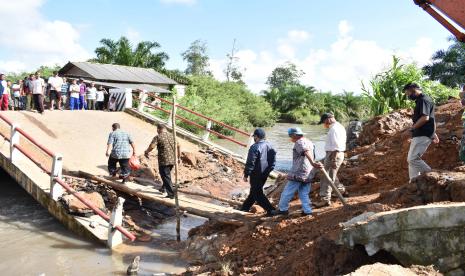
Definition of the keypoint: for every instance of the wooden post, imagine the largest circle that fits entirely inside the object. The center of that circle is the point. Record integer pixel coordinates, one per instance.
(172, 117)
(176, 199)
(333, 185)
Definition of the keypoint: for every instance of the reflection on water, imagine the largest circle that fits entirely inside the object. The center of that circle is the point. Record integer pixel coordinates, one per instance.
(33, 242)
(277, 135)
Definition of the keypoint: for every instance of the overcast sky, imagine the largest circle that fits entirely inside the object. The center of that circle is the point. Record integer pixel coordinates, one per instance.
(336, 43)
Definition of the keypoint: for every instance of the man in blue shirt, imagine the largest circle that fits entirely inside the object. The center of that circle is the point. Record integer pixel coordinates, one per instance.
(119, 151)
(260, 163)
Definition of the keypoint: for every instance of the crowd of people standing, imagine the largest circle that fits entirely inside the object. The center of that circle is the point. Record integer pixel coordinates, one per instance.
(55, 93)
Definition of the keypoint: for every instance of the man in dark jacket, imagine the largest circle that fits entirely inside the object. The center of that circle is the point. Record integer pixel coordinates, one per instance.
(260, 163)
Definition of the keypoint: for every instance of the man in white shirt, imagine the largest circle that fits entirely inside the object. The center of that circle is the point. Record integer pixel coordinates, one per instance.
(38, 86)
(55, 89)
(335, 146)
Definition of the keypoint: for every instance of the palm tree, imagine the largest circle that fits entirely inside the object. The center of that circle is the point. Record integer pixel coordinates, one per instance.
(448, 66)
(121, 52)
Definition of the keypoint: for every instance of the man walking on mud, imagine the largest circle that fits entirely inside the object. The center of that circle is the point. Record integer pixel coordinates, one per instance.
(164, 143)
(301, 174)
(423, 130)
(335, 146)
(260, 163)
(119, 151)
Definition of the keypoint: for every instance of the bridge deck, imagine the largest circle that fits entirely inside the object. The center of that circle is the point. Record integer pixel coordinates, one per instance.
(81, 136)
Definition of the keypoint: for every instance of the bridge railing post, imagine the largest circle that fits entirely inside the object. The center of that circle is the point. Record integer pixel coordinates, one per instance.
(56, 190)
(206, 134)
(114, 236)
(143, 98)
(14, 140)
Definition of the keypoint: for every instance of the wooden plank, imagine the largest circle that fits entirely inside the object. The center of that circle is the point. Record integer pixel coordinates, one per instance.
(229, 201)
(198, 208)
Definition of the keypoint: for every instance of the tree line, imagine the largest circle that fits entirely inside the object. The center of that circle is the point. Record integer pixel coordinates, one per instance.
(286, 98)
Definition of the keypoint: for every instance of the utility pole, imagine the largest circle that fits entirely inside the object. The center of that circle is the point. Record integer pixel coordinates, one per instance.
(231, 60)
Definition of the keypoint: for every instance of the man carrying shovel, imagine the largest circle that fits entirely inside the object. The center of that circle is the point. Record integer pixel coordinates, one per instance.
(335, 146)
(301, 174)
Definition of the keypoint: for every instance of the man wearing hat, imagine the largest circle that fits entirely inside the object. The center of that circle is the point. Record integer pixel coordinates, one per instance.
(301, 174)
(260, 163)
(335, 146)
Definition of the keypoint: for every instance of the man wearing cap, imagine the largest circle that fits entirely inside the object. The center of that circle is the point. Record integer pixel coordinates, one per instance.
(260, 163)
(423, 130)
(301, 174)
(335, 146)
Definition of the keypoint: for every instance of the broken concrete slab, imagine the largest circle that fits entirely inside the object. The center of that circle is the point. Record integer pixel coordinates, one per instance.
(379, 269)
(424, 235)
(75, 206)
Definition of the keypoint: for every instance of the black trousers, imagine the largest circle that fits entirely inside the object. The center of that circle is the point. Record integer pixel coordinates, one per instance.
(39, 102)
(256, 195)
(165, 174)
(124, 165)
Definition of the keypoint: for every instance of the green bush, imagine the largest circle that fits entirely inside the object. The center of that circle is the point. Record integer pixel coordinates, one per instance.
(386, 88)
(228, 102)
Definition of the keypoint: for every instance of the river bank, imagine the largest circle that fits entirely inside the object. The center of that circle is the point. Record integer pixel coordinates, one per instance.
(376, 176)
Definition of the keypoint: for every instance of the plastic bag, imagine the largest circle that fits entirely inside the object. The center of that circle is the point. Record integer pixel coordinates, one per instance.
(134, 163)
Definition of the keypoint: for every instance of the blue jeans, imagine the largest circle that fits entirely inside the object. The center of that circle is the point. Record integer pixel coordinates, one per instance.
(73, 103)
(288, 194)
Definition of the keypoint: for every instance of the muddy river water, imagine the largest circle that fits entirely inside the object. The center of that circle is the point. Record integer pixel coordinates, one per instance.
(34, 243)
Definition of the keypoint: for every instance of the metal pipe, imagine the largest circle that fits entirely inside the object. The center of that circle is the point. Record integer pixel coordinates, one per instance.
(199, 126)
(44, 149)
(32, 158)
(4, 118)
(203, 116)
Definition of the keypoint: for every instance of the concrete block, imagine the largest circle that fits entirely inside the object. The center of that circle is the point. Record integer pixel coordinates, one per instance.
(423, 235)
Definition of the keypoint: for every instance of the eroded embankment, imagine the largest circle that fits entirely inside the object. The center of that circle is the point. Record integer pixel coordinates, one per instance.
(377, 179)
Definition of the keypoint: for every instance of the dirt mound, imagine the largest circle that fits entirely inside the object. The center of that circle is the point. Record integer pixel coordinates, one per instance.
(279, 245)
(437, 186)
(212, 172)
(380, 127)
(382, 165)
